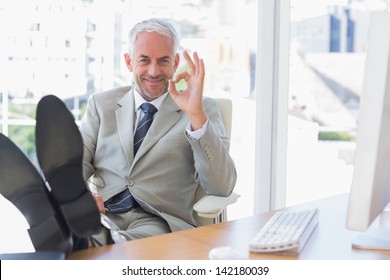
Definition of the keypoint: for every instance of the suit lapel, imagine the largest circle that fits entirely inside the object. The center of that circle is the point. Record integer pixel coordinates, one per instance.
(164, 120)
(124, 116)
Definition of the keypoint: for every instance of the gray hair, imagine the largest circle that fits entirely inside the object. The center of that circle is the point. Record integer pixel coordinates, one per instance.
(157, 25)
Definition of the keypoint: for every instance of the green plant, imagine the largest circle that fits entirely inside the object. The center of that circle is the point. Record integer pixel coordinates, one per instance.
(335, 136)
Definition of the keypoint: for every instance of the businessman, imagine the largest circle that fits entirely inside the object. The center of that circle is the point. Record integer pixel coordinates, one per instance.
(147, 185)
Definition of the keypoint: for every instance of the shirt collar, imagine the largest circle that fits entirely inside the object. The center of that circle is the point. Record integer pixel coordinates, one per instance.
(139, 100)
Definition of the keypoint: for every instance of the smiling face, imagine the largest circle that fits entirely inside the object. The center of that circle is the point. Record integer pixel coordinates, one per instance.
(153, 63)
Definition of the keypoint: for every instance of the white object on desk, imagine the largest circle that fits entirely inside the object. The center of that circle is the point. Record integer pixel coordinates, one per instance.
(225, 253)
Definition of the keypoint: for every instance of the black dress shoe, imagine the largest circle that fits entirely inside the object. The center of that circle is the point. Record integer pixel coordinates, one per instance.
(22, 185)
(60, 154)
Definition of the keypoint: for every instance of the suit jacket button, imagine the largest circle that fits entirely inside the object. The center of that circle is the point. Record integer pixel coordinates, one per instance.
(131, 183)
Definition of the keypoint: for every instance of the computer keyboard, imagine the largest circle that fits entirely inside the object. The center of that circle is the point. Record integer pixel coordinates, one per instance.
(286, 232)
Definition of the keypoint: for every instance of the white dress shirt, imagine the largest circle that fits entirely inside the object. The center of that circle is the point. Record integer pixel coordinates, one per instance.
(139, 100)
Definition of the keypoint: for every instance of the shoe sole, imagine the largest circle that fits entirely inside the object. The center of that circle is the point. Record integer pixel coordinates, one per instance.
(23, 186)
(60, 154)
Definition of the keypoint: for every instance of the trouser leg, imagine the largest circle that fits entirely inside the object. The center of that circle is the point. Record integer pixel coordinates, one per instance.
(131, 225)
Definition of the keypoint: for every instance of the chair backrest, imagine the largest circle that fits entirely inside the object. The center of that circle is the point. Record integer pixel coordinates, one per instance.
(225, 106)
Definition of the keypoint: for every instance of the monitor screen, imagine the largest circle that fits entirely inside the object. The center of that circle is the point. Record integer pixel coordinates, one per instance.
(370, 190)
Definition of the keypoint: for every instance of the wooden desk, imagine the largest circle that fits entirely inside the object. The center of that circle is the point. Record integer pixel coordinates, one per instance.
(330, 240)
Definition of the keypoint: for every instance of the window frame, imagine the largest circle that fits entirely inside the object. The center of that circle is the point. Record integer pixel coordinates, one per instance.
(272, 78)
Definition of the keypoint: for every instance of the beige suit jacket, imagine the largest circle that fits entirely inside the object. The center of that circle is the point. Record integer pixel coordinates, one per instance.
(169, 170)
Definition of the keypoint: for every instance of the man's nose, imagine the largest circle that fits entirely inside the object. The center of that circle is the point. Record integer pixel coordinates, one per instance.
(154, 69)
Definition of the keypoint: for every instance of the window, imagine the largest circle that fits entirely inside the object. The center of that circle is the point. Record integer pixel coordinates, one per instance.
(326, 73)
(75, 60)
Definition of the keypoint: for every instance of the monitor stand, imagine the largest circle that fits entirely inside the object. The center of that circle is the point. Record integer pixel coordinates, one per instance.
(377, 236)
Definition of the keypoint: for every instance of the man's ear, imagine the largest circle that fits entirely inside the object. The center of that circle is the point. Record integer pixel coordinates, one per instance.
(128, 62)
(177, 60)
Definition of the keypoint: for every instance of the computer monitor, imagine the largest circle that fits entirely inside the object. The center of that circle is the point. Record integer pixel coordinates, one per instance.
(370, 190)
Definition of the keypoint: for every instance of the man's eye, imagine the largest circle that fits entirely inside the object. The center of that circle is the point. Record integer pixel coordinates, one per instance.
(143, 60)
(164, 61)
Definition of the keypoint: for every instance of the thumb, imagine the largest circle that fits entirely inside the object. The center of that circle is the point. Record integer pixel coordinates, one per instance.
(172, 88)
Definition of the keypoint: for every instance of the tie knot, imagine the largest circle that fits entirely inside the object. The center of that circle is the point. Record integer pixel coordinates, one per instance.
(148, 108)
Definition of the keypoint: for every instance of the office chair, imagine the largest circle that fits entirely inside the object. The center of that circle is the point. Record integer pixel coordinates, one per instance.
(212, 208)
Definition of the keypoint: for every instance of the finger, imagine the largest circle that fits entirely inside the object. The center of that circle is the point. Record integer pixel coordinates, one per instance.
(196, 61)
(172, 88)
(201, 70)
(190, 63)
(184, 75)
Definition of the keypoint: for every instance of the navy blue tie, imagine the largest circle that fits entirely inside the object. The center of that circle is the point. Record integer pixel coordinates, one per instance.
(144, 125)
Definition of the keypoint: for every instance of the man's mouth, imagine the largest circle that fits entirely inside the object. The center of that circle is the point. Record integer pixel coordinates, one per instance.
(154, 81)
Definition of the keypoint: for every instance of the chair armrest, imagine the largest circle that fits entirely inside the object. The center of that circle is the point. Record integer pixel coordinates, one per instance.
(210, 206)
